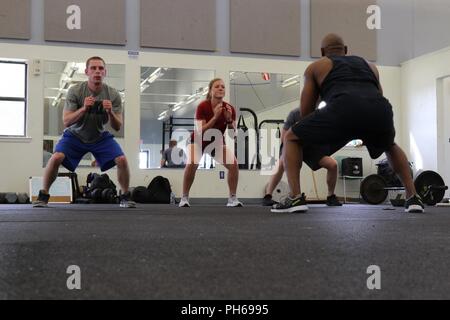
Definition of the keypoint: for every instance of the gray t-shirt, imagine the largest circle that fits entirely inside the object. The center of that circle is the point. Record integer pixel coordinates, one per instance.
(292, 118)
(175, 157)
(90, 127)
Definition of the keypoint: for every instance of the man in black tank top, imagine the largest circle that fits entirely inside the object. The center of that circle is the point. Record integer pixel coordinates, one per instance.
(356, 109)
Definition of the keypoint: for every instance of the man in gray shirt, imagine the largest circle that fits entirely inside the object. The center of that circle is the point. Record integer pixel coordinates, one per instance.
(315, 157)
(173, 157)
(89, 107)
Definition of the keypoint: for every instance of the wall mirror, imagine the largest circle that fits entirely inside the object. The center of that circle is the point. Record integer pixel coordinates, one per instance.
(169, 98)
(264, 101)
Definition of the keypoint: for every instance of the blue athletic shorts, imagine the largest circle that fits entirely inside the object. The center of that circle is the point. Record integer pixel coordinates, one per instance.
(105, 151)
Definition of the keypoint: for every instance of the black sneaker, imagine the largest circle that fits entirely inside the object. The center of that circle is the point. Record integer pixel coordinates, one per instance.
(291, 205)
(267, 201)
(414, 204)
(332, 201)
(42, 200)
(125, 201)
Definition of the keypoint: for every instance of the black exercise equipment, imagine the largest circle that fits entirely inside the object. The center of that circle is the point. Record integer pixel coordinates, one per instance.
(384, 169)
(2, 198)
(278, 122)
(256, 161)
(352, 167)
(100, 189)
(373, 189)
(169, 125)
(23, 198)
(96, 195)
(109, 195)
(429, 185)
(242, 127)
(11, 197)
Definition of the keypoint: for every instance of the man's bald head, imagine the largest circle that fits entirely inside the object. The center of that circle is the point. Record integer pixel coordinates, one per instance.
(333, 44)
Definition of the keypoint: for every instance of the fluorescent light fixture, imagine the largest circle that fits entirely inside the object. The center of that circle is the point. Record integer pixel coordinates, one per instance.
(205, 91)
(162, 115)
(79, 67)
(65, 81)
(202, 91)
(177, 106)
(290, 81)
(190, 99)
(158, 73)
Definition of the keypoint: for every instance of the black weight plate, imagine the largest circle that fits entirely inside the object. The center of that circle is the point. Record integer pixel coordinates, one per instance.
(96, 195)
(372, 189)
(429, 178)
(109, 195)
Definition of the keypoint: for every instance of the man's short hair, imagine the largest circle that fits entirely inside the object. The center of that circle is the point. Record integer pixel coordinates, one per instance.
(94, 58)
(173, 142)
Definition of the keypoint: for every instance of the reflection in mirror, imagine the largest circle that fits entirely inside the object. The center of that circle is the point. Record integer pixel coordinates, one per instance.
(264, 101)
(169, 98)
(59, 76)
(48, 151)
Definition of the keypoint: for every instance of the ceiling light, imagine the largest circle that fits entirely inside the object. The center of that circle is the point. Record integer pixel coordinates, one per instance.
(162, 115)
(290, 81)
(65, 81)
(158, 73)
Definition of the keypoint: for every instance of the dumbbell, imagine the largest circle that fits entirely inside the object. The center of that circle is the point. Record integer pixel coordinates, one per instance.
(23, 198)
(2, 198)
(11, 197)
(96, 195)
(109, 195)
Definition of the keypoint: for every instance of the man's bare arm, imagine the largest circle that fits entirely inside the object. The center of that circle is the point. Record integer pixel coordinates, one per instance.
(71, 117)
(116, 120)
(377, 75)
(310, 92)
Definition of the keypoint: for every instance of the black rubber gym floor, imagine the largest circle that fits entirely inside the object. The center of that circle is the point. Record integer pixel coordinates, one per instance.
(214, 252)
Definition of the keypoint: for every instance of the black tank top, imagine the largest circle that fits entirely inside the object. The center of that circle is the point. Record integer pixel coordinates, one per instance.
(349, 75)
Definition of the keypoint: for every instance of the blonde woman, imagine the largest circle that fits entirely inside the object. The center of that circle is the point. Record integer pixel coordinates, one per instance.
(212, 117)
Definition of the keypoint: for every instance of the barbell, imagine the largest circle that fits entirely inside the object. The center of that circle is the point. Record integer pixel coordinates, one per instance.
(429, 186)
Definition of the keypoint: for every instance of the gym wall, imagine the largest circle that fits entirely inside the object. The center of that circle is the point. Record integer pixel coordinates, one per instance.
(15, 19)
(404, 26)
(423, 117)
(404, 35)
(29, 150)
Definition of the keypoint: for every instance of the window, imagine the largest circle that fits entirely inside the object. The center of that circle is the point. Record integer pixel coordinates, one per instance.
(13, 98)
(144, 159)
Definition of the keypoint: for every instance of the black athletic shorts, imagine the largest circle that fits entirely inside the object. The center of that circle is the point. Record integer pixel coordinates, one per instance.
(313, 154)
(346, 118)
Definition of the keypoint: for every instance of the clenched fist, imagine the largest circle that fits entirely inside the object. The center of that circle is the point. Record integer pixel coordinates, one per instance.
(107, 105)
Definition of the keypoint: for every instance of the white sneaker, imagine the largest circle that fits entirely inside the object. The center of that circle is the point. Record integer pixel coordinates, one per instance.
(184, 202)
(234, 202)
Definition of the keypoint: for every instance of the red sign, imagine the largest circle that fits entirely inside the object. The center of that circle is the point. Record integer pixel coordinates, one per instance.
(265, 76)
